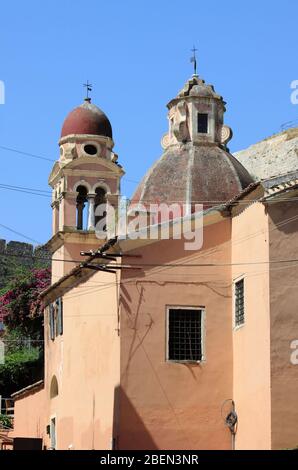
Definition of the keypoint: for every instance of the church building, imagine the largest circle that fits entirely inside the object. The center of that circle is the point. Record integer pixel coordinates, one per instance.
(153, 341)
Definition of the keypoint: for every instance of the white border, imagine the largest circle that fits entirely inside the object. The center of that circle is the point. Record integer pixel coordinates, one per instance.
(203, 332)
(102, 185)
(54, 416)
(237, 279)
(94, 144)
(82, 183)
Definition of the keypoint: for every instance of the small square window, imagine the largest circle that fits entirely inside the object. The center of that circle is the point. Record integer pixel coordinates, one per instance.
(184, 334)
(202, 123)
(239, 302)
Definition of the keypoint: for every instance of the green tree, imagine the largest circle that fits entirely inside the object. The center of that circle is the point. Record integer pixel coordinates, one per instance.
(21, 309)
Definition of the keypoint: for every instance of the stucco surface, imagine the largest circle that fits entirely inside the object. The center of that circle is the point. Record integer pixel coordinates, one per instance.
(166, 405)
(284, 324)
(251, 342)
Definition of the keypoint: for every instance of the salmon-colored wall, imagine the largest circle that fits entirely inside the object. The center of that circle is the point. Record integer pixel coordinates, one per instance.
(85, 361)
(58, 265)
(284, 323)
(68, 256)
(167, 405)
(70, 212)
(30, 415)
(251, 342)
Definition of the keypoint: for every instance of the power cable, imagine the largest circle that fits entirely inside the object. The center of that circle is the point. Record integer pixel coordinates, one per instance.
(40, 157)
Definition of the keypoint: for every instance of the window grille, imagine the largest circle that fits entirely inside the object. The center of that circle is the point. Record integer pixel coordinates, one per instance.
(185, 334)
(239, 302)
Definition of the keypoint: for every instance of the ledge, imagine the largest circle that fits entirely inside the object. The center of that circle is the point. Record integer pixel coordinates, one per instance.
(34, 387)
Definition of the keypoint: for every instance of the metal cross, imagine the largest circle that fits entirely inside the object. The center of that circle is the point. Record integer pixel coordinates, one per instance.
(193, 59)
(88, 86)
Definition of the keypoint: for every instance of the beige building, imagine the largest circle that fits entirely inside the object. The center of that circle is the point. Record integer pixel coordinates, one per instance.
(150, 343)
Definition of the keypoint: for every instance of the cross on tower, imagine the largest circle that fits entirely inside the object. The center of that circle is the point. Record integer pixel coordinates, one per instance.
(88, 86)
(193, 59)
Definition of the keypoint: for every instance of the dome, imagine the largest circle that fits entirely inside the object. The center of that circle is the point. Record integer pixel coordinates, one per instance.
(190, 174)
(87, 119)
(200, 90)
(196, 86)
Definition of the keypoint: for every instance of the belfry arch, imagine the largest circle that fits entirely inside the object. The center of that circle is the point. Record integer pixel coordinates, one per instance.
(81, 205)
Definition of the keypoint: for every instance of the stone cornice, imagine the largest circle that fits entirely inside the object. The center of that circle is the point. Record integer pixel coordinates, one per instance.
(73, 138)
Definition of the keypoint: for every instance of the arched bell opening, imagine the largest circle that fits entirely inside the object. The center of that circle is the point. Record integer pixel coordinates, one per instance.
(81, 207)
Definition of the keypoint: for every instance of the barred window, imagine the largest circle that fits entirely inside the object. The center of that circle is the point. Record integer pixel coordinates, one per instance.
(239, 302)
(184, 334)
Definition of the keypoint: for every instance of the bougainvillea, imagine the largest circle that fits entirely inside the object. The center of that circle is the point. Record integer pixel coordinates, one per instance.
(21, 305)
(21, 309)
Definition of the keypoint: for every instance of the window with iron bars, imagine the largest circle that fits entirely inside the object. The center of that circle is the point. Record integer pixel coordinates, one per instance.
(239, 302)
(185, 334)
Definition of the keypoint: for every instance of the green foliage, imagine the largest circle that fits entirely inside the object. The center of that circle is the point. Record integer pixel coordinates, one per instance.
(6, 421)
(21, 305)
(22, 311)
(21, 368)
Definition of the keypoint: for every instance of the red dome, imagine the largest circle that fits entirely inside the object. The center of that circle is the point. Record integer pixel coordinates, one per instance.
(87, 119)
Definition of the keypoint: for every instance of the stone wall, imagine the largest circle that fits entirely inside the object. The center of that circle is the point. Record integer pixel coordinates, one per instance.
(274, 156)
(14, 254)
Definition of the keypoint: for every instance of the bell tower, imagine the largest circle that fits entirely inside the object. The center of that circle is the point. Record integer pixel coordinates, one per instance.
(84, 179)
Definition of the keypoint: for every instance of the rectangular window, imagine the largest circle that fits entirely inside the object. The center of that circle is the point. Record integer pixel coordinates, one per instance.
(239, 302)
(59, 303)
(52, 321)
(185, 334)
(56, 318)
(202, 123)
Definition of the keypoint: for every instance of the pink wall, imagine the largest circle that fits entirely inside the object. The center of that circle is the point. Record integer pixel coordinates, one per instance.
(251, 342)
(74, 244)
(166, 405)
(284, 324)
(30, 415)
(85, 360)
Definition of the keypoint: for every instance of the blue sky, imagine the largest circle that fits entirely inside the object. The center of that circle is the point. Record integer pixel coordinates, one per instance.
(136, 55)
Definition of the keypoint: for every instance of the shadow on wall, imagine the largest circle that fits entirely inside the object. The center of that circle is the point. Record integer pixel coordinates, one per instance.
(129, 432)
(284, 218)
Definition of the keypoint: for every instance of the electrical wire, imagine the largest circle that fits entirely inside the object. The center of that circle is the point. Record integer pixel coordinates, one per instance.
(20, 152)
(237, 241)
(129, 180)
(25, 188)
(44, 193)
(20, 234)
